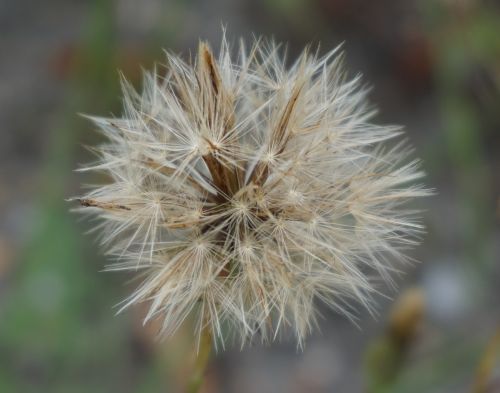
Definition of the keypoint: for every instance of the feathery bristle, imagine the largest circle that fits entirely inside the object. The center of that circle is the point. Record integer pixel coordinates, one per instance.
(246, 191)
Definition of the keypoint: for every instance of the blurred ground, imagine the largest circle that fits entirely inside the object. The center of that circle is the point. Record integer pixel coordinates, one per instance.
(434, 66)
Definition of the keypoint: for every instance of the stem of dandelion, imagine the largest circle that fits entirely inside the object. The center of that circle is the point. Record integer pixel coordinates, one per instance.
(201, 361)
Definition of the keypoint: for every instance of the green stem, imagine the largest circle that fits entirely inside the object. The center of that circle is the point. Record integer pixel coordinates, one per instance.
(201, 362)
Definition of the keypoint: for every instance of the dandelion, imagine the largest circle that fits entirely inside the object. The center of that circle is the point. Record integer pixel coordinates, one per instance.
(246, 192)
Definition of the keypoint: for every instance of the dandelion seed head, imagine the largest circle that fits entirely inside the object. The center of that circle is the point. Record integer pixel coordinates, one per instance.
(247, 191)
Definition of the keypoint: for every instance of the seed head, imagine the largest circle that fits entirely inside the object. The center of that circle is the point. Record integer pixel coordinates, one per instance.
(247, 191)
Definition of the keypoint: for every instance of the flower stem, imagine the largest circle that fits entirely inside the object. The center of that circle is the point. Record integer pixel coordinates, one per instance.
(201, 361)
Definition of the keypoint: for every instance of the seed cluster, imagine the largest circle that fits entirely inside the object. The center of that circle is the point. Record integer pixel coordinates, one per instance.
(246, 191)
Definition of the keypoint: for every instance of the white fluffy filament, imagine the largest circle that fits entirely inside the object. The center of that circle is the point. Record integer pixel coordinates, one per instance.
(246, 191)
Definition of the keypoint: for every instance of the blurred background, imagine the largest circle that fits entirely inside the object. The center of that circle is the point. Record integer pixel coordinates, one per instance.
(434, 66)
